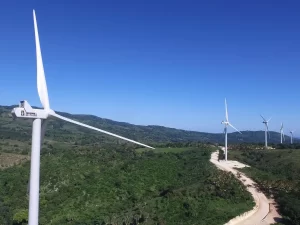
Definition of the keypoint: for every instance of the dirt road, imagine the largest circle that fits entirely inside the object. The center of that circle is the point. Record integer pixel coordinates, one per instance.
(262, 213)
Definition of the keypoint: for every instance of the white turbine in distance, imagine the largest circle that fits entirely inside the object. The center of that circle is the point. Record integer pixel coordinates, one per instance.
(281, 133)
(266, 130)
(292, 134)
(226, 123)
(39, 117)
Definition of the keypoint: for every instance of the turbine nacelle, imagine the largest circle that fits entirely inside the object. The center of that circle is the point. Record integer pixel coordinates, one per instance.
(25, 111)
(225, 123)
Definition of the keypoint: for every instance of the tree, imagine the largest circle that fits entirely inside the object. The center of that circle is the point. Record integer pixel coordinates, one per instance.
(21, 217)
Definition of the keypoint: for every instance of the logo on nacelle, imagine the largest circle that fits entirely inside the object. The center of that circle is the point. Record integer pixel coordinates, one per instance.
(28, 113)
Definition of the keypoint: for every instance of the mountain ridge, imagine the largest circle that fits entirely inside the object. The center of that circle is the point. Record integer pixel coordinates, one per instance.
(150, 134)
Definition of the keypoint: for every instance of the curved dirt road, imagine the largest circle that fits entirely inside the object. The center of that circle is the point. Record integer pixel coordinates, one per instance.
(261, 214)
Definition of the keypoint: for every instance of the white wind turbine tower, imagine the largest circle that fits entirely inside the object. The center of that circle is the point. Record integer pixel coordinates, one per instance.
(39, 117)
(226, 123)
(281, 133)
(292, 133)
(266, 130)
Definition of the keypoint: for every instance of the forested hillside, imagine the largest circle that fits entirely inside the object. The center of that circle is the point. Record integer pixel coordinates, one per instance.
(89, 185)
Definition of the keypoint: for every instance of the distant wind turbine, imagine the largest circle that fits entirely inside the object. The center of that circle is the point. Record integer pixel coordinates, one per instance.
(292, 134)
(226, 123)
(39, 117)
(266, 130)
(281, 133)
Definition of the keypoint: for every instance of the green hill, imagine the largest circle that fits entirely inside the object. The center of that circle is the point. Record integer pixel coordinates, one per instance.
(89, 178)
(65, 132)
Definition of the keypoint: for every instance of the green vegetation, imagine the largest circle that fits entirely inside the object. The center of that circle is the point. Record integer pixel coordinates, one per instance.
(84, 185)
(287, 146)
(278, 174)
(163, 150)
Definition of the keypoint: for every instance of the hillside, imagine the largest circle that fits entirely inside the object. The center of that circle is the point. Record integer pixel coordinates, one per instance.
(278, 174)
(89, 185)
(64, 132)
(88, 178)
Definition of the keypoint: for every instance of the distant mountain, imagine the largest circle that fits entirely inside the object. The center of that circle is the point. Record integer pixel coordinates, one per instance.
(62, 131)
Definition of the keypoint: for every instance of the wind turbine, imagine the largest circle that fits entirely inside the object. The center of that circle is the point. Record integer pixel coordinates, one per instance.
(39, 117)
(281, 133)
(266, 130)
(226, 123)
(292, 133)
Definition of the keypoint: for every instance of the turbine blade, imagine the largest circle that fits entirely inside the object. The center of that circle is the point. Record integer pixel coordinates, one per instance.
(97, 129)
(263, 118)
(41, 80)
(226, 111)
(234, 128)
(269, 119)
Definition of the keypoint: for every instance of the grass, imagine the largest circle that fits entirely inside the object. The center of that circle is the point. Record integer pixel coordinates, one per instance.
(10, 159)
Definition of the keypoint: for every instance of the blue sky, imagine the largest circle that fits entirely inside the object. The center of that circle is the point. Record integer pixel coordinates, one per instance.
(167, 63)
